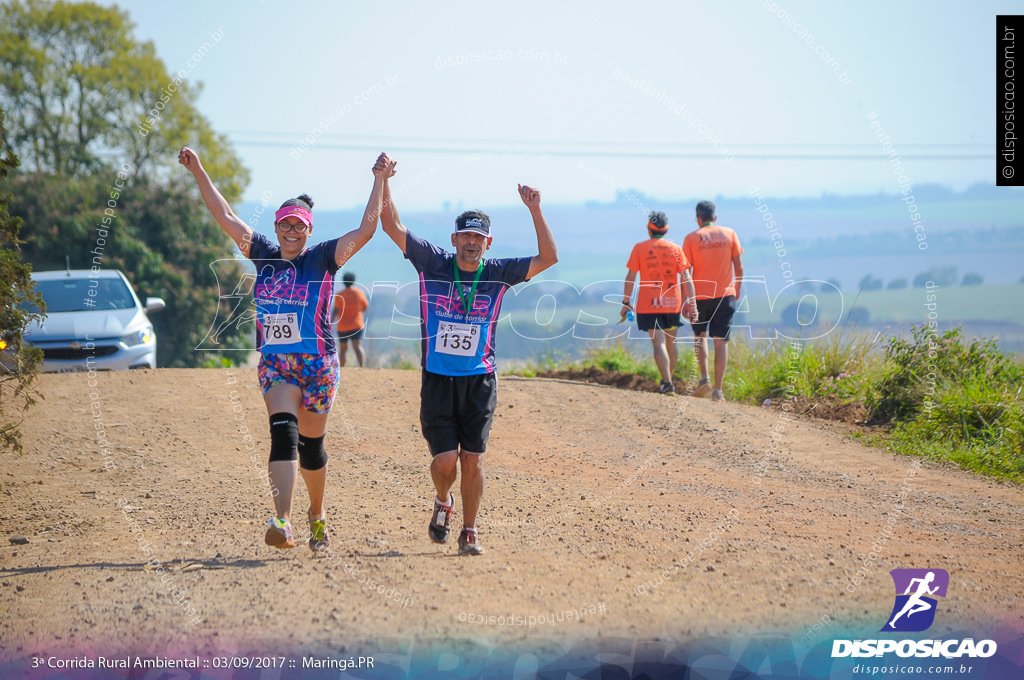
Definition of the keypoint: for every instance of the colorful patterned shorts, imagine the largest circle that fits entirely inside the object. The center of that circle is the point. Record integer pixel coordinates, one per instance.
(315, 374)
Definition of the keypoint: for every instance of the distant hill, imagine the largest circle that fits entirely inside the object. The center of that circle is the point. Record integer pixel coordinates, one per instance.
(979, 230)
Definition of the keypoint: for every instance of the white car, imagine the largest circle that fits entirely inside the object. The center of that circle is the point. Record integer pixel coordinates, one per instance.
(94, 321)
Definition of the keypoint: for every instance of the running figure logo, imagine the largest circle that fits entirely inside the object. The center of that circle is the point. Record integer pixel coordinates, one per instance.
(914, 609)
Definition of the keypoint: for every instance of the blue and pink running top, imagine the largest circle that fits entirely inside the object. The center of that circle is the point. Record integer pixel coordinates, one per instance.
(454, 343)
(293, 298)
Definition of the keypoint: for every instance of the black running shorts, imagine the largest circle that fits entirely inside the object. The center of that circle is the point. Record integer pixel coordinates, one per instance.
(457, 411)
(715, 314)
(647, 322)
(345, 336)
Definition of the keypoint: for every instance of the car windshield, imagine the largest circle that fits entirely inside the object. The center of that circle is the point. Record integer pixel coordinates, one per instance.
(73, 295)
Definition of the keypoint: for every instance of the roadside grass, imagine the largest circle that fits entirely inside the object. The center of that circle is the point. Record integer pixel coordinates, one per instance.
(549, 361)
(952, 399)
(934, 394)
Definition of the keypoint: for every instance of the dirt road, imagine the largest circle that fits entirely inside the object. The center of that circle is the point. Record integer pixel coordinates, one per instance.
(594, 496)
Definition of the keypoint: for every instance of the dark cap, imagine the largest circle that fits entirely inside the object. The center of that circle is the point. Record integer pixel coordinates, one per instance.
(657, 221)
(473, 221)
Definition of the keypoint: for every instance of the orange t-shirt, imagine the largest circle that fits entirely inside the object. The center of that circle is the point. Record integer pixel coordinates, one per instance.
(350, 305)
(711, 250)
(660, 263)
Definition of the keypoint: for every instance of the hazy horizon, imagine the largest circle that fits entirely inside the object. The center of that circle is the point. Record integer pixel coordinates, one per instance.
(677, 98)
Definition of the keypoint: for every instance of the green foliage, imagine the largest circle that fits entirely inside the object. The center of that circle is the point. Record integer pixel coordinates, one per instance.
(156, 235)
(941, 396)
(77, 85)
(835, 368)
(870, 282)
(404, 357)
(831, 287)
(916, 368)
(218, 361)
(81, 90)
(979, 429)
(952, 399)
(551, 360)
(401, 363)
(618, 358)
(18, 363)
(941, 276)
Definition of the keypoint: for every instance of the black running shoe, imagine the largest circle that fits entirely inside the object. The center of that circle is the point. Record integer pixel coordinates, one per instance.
(468, 544)
(441, 522)
(667, 388)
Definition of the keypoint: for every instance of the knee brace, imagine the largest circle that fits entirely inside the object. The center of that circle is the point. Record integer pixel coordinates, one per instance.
(312, 455)
(284, 436)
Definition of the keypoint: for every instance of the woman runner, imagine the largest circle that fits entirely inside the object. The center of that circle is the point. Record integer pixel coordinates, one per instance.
(298, 367)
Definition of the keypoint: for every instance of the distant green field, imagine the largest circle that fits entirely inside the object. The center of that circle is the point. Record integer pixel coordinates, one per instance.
(981, 211)
(563, 322)
(984, 311)
(952, 305)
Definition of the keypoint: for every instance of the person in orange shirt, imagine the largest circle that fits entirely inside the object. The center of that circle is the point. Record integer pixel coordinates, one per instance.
(715, 252)
(349, 306)
(660, 264)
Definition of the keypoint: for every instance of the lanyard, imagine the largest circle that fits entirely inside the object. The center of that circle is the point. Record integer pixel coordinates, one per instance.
(468, 302)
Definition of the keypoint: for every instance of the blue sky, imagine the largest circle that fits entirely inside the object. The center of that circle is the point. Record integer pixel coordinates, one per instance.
(538, 98)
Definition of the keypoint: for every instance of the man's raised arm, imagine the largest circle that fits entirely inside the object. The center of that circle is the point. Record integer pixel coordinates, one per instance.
(389, 220)
(547, 251)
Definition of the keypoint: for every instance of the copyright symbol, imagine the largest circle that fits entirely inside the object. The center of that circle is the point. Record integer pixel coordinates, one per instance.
(1008, 171)
(462, 616)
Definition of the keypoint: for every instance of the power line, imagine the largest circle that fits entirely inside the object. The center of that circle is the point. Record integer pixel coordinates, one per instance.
(490, 142)
(665, 155)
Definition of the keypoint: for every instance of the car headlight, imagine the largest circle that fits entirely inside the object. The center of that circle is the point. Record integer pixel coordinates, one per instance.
(139, 337)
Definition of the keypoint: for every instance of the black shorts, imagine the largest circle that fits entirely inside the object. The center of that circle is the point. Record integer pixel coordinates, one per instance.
(716, 314)
(351, 335)
(457, 411)
(647, 322)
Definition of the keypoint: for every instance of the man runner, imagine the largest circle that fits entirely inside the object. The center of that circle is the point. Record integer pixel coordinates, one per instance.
(660, 263)
(460, 299)
(714, 251)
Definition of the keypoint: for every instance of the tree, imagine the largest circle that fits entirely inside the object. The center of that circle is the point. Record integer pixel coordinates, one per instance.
(869, 282)
(798, 315)
(972, 279)
(80, 89)
(831, 286)
(898, 284)
(942, 276)
(158, 236)
(100, 121)
(18, 363)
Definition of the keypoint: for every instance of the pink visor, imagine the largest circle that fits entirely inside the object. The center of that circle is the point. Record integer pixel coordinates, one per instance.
(304, 215)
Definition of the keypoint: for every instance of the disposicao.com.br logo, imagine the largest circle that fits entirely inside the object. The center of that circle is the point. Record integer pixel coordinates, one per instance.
(924, 583)
(914, 611)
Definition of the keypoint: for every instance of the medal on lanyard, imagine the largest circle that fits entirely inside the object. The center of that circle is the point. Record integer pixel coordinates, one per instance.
(468, 302)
